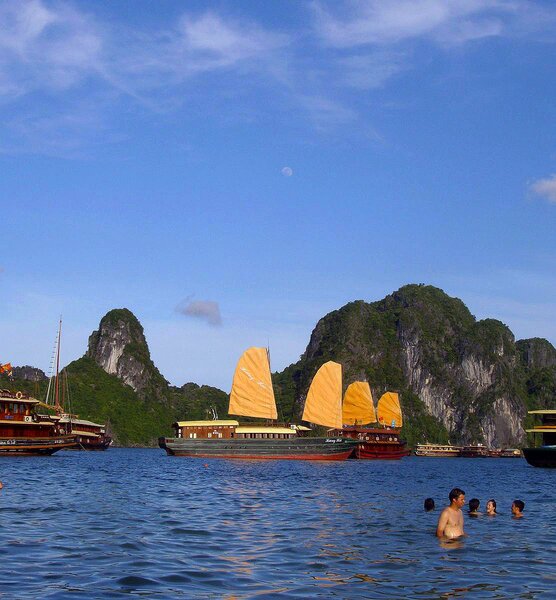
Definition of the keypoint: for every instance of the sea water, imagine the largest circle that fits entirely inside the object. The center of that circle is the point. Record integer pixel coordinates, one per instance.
(137, 523)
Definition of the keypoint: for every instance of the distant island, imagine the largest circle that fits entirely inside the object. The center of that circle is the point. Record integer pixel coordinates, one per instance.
(459, 379)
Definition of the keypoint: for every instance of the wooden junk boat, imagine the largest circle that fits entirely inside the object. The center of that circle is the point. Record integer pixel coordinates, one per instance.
(545, 454)
(25, 432)
(252, 395)
(382, 441)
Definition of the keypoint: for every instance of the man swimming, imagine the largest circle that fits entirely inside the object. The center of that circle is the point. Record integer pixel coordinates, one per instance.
(450, 522)
(517, 508)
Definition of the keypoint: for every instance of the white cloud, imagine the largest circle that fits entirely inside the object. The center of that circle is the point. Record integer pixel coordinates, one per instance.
(374, 22)
(287, 171)
(545, 188)
(205, 310)
(45, 49)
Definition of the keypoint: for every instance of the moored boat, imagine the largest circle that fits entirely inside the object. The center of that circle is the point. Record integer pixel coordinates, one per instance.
(545, 454)
(25, 432)
(89, 435)
(475, 451)
(252, 395)
(437, 450)
(510, 453)
(379, 442)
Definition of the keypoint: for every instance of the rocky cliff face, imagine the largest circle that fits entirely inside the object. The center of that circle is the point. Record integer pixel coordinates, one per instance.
(28, 373)
(470, 377)
(120, 348)
(537, 353)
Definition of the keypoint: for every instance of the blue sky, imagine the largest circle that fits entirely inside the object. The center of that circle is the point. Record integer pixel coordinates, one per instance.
(231, 172)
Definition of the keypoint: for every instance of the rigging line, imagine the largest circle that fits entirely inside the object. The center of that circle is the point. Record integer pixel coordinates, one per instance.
(51, 370)
(57, 397)
(279, 413)
(68, 396)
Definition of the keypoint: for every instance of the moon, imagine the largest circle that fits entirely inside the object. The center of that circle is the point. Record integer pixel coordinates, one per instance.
(287, 171)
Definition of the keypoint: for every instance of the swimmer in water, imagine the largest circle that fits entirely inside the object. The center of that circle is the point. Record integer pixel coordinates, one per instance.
(517, 508)
(428, 504)
(474, 504)
(491, 508)
(450, 522)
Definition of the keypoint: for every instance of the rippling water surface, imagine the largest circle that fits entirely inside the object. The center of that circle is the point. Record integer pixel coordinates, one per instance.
(133, 522)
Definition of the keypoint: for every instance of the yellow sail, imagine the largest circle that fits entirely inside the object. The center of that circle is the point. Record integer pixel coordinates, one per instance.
(389, 410)
(324, 399)
(252, 394)
(358, 406)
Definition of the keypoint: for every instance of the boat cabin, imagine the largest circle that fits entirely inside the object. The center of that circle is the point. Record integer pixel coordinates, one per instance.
(88, 434)
(19, 419)
(227, 429)
(547, 427)
(15, 406)
(205, 429)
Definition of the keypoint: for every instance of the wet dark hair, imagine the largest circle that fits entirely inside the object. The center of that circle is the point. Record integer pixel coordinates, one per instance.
(455, 493)
(493, 503)
(474, 504)
(520, 504)
(429, 504)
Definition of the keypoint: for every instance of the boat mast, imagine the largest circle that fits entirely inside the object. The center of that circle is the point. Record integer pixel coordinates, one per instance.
(57, 405)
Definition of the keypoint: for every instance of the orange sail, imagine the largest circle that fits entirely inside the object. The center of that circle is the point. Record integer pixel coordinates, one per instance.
(389, 410)
(324, 399)
(358, 406)
(252, 394)
(7, 368)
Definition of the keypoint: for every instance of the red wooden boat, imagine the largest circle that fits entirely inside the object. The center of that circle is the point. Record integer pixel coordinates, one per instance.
(25, 432)
(376, 442)
(379, 442)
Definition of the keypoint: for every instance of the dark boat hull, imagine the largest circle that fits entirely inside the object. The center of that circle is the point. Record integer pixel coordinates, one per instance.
(544, 456)
(369, 451)
(95, 447)
(374, 443)
(35, 446)
(266, 449)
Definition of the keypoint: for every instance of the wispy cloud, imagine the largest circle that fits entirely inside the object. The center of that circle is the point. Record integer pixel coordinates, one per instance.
(205, 310)
(545, 188)
(54, 57)
(77, 69)
(44, 48)
(374, 22)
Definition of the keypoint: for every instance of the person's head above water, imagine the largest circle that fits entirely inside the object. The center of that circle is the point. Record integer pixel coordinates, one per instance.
(457, 497)
(491, 506)
(429, 504)
(474, 504)
(517, 507)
